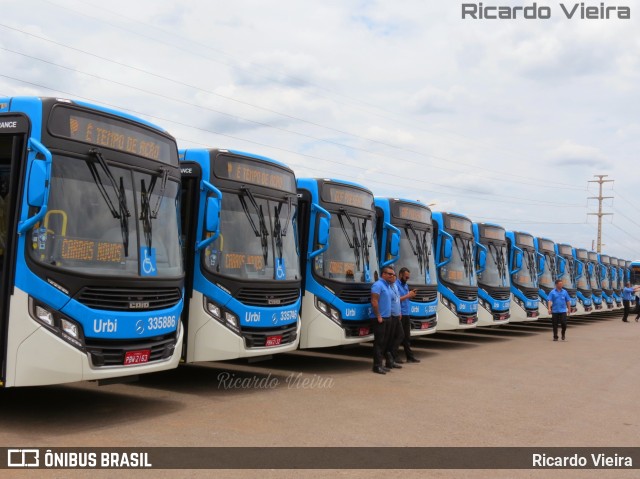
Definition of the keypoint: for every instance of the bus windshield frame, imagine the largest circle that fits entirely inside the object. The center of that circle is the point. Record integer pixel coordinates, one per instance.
(460, 270)
(128, 227)
(258, 237)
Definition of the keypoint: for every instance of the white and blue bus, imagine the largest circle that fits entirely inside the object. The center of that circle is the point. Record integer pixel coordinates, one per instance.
(547, 273)
(567, 272)
(583, 281)
(239, 224)
(606, 280)
(523, 267)
(339, 261)
(616, 282)
(593, 272)
(494, 283)
(92, 271)
(457, 278)
(411, 221)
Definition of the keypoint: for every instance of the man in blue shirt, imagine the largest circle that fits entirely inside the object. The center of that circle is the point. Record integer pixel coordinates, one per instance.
(559, 303)
(394, 328)
(404, 275)
(627, 296)
(381, 299)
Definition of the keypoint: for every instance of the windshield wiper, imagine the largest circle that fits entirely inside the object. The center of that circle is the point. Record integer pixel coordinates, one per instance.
(499, 260)
(355, 244)
(278, 231)
(122, 213)
(366, 244)
(417, 248)
(146, 214)
(261, 233)
(466, 255)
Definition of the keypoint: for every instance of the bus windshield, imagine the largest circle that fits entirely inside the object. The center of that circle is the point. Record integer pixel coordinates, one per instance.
(351, 255)
(527, 276)
(594, 277)
(108, 220)
(569, 276)
(547, 279)
(416, 253)
(257, 239)
(495, 273)
(583, 281)
(460, 269)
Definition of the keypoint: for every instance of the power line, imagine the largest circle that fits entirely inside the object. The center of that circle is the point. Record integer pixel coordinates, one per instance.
(546, 183)
(524, 201)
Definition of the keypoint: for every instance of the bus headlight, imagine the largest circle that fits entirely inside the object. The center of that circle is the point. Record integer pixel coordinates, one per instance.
(220, 314)
(232, 320)
(57, 323)
(332, 313)
(44, 315)
(70, 328)
(322, 307)
(213, 309)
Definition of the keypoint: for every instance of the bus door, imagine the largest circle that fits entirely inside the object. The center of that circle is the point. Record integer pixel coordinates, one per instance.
(191, 174)
(13, 133)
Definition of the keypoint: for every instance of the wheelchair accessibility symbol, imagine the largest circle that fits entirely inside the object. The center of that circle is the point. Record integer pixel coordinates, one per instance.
(280, 269)
(148, 262)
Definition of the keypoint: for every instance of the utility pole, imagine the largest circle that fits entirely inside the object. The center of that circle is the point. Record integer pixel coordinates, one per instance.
(600, 214)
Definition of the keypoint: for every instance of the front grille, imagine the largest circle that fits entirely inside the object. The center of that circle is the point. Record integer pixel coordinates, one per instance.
(501, 294)
(268, 297)
(530, 293)
(105, 353)
(257, 338)
(466, 294)
(356, 296)
(353, 329)
(425, 294)
(128, 299)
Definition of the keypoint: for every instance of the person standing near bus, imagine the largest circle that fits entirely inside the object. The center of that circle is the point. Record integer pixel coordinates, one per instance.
(395, 334)
(404, 275)
(381, 297)
(559, 303)
(627, 296)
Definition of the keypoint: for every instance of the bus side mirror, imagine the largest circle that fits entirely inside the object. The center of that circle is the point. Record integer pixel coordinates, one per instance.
(482, 259)
(323, 231)
(37, 185)
(394, 244)
(447, 250)
(212, 220)
(517, 260)
(561, 267)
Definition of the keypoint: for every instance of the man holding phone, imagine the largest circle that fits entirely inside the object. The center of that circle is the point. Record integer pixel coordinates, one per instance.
(405, 308)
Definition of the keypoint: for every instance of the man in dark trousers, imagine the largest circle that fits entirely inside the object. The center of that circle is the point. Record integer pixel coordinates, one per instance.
(627, 296)
(559, 303)
(381, 298)
(404, 275)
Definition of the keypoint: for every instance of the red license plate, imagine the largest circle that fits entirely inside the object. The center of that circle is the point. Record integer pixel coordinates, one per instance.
(469, 320)
(273, 341)
(424, 326)
(363, 332)
(136, 357)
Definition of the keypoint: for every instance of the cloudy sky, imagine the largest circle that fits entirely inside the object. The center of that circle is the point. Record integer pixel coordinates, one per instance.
(500, 120)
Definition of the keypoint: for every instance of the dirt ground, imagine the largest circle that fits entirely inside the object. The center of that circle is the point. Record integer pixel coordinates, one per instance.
(507, 386)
